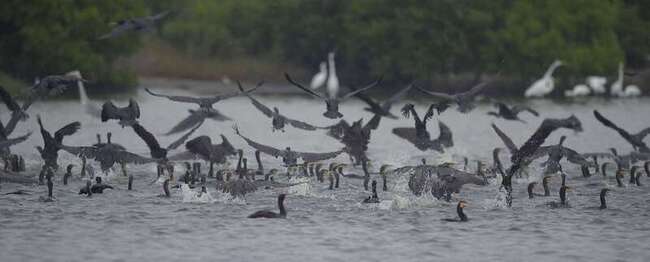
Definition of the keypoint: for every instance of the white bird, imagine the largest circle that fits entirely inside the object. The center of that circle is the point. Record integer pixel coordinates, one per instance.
(319, 78)
(617, 87)
(597, 84)
(332, 79)
(631, 91)
(578, 90)
(544, 85)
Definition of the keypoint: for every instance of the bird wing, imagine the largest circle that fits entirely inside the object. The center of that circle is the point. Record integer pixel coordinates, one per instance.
(261, 107)
(309, 91)
(373, 123)
(195, 119)
(430, 112)
(313, 157)
(159, 16)
(475, 90)
(300, 124)
(366, 99)
(599, 155)
(445, 138)
(517, 109)
(183, 99)
(8, 100)
(643, 133)
(436, 94)
(396, 97)
(110, 111)
(506, 140)
(575, 157)
(182, 139)
(611, 125)
(89, 152)
(148, 138)
(67, 130)
(262, 148)
(12, 141)
(120, 29)
(134, 108)
(371, 85)
(458, 178)
(128, 157)
(13, 121)
(201, 145)
(407, 133)
(185, 155)
(338, 130)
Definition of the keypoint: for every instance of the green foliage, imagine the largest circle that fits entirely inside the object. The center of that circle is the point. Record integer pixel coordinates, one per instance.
(42, 37)
(402, 40)
(420, 39)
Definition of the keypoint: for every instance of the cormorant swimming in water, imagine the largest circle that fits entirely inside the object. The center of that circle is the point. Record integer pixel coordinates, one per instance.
(271, 214)
(461, 215)
(603, 193)
(563, 200)
(98, 187)
(374, 198)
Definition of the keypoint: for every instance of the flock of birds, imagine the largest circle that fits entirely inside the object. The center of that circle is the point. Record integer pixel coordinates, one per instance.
(594, 85)
(441, 181)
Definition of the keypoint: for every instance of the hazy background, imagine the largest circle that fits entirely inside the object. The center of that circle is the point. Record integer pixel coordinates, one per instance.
(446, 43)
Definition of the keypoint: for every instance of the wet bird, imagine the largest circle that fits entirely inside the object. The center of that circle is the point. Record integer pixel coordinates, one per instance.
(544, 85)
(419, 136)
(278, 120)
(271, 214)
(205, 111)
(511, 113)
(97, 188)
(374, 198)
(127, 116)
(289, 157)
(156, 151)
(355, 137)
(521, 156)
(201, 147)
(383, 109)
(563, 200)
(331, 102)
(555, 153)
(464, 100)
(107, 154)
(461, 215)
(441, 180)
(136, 24)
(603, 194)
(52, 144)
(51, 85)
(12, 104)
(635, 139)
